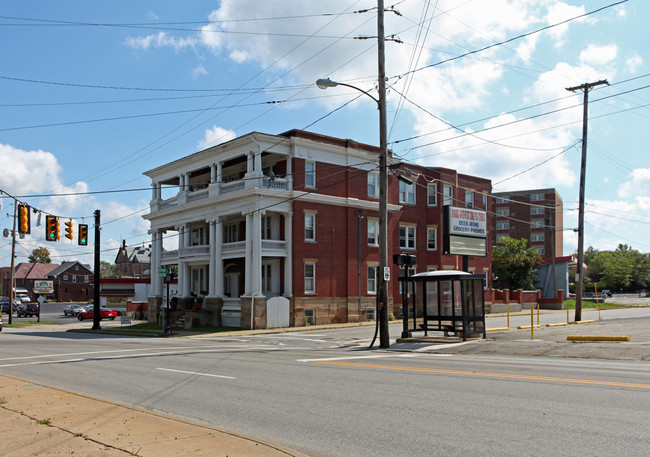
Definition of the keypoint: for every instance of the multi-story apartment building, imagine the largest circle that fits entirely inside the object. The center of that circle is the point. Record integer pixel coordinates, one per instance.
(267, 225)
(535, 215)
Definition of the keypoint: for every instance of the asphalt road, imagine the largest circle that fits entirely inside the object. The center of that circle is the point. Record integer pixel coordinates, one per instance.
(322, 393)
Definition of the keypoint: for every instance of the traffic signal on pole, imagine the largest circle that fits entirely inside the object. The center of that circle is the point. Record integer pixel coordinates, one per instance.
(58, 229)
(24, 224)
(68, 230)
(51, 228)
(83, 234)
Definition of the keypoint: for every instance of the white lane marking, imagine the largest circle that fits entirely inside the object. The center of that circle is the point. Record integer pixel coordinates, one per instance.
(148, 354)
(378, 356)
(198, 374)
(293, 338)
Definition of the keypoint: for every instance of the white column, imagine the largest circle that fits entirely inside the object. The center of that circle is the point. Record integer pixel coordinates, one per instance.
(256, 264)
(218, 273)
(154, 194)
(249, 163)
(288, 261)
(249, 254)
(219, 172)
(156, 246)
(186, 236)
(257, 160)
(289, 173)
(181, 182)
(213, 173)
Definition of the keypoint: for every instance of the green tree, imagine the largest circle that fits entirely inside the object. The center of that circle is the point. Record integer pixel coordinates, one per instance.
(513, 264)
(40, 255)
(623, 268)
(108, 270)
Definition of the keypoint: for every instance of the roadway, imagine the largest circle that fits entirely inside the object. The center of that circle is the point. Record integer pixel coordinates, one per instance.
(322, 393)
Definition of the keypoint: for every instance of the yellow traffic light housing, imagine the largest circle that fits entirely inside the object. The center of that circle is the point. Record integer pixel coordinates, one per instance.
(83, 234)
(58, 229)
(68, 230)
(51, 228)
(24, 223)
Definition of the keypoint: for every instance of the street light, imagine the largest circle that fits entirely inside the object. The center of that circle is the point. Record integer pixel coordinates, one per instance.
(384, 272)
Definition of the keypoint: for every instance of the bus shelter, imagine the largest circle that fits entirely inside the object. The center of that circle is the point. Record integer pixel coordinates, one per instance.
(447, 301)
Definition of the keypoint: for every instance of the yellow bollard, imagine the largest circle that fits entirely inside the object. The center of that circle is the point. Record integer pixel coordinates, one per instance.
(538, 314)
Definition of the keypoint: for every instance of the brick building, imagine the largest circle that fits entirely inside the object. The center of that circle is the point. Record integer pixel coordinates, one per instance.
(287, 225)
(25, 274)
(535, 215)
(73, 281)
(133, 261)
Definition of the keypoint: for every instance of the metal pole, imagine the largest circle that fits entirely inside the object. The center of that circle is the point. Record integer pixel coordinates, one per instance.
(384, 339)
(12, 273)
(97, 285)
(581, 204)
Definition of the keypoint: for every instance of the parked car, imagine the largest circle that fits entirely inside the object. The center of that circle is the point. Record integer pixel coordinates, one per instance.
(104, 313)
(607, 292)
(73, 310)
(4, 304)
(24, 298)
(0, 322)
(27, 309)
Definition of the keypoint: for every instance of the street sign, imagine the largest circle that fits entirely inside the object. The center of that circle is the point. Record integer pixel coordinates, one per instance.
(386, 273)
(162, 271)
(126, 320)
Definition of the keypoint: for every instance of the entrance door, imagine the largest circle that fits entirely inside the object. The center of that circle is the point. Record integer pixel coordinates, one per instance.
(231, 281)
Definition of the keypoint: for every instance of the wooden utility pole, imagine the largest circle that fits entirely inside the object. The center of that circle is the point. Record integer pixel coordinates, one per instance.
(585, 88)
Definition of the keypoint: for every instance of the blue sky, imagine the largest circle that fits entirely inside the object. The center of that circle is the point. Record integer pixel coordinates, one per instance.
(94, 94)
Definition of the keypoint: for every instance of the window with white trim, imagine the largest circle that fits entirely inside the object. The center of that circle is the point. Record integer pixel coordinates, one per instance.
(537, 237)
(536, 197)
(310, 173)
(447, 195)
(407, 193)
(539, 249)
(536, 210)
(485, 201)
(503, 212)
(86, 279)
(74, 278)
(372, 279)
(536, 224)
(501, 200)
(266, 227)
(503, 225)
(407, 237)
(310, 227)
(310, 278)
(500, 237)
(432, 194)
(373, 232)
(432, 238)
(373, 184)
(231, 233)
(65, 277)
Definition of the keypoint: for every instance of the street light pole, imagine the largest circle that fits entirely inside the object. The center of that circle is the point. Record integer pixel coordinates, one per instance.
(383, 269)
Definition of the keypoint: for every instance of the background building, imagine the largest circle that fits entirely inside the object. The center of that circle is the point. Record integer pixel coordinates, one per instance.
(133, 261)
(535, 215)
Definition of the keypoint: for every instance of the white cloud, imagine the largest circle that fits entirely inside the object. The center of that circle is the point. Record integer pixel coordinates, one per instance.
(559, 12)
(598, 55)
(638, 185)
(199, 71)
(633, 63)
(215, 135)
(160, 40)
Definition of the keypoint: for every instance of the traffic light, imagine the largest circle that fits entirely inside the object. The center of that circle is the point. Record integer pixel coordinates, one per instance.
(58, 229)
(24, 223)
(68, 230)
(51, 225)
(83, 234)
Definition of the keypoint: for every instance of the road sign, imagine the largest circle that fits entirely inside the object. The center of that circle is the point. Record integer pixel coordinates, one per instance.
(162, 271)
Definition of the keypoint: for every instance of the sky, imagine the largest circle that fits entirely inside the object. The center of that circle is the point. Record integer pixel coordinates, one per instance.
(93, 94)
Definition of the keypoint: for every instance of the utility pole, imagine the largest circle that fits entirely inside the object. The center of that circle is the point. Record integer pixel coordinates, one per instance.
(586, 87)
(96, 317)
(384, 338)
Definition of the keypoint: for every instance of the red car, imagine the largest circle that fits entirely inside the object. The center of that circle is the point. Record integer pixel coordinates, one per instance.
(104, 313)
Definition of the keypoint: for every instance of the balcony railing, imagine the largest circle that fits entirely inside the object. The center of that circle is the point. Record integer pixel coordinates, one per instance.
(194, 251)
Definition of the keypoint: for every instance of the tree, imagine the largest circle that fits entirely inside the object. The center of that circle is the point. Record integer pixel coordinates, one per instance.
(513, 264)
(40, 255)
(108, 270)
(622, 269)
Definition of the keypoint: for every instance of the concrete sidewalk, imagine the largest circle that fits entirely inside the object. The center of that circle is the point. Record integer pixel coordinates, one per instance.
(38, 420)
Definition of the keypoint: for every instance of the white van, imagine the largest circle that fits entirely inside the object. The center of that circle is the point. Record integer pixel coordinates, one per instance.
(24, 298)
